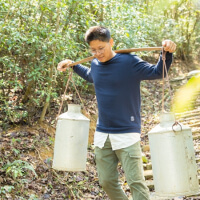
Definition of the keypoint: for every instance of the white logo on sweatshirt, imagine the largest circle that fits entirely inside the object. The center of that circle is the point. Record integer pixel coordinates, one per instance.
(132, 118)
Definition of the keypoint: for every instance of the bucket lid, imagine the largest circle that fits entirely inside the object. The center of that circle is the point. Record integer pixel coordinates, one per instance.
(73, 113)
(167, 117)
(166, 125)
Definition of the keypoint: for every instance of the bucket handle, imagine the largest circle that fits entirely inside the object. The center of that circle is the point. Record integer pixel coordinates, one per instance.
(175, 124)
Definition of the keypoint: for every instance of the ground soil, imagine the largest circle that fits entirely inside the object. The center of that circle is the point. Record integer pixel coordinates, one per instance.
(34, 145)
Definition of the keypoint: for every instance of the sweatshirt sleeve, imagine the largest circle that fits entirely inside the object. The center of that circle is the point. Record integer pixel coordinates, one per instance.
(147, 71)
(83, 72)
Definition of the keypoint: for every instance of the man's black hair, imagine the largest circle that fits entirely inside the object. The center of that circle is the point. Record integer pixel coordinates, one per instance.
(97, 33)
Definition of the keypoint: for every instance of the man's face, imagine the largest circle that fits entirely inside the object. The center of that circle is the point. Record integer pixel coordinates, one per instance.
(102, 50)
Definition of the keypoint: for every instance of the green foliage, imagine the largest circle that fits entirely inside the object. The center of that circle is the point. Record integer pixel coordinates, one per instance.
(36, 35)
(6, 189)
(144, 158)
(186, 95)
(18, 168)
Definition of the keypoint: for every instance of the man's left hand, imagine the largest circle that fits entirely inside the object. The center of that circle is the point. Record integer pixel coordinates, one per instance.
(169, 46)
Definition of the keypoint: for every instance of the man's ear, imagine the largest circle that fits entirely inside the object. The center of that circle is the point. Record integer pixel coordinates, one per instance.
(111, 42)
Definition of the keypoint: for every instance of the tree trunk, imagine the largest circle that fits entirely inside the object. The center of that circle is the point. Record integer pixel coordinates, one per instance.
(46, 105)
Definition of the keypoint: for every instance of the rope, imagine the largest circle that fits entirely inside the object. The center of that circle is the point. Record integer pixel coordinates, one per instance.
(70, 78)
(60, 108)
(167, 78)
(163, 88)
(79, 95)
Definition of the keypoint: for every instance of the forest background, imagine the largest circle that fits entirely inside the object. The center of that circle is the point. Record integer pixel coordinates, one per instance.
(37, 34)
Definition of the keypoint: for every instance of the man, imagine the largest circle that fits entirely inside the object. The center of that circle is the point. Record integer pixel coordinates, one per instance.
(116, 79)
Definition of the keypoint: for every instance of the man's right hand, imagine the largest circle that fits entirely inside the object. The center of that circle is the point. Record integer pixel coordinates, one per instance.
(63, 65)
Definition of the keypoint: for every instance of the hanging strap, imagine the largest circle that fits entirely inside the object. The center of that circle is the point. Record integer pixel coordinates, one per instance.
(167, 78)
(163, 88)
(70, 78)
(60, 108)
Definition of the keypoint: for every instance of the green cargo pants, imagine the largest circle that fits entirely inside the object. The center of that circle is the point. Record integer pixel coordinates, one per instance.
(131, 161)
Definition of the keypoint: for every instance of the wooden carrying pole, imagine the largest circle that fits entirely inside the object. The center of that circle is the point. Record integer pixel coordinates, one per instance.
(116, 51)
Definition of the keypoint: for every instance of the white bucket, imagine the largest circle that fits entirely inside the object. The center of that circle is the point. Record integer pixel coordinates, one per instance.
(173, 158)
(71, 141)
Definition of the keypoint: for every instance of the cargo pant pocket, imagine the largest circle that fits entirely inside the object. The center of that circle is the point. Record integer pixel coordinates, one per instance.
(131, 159)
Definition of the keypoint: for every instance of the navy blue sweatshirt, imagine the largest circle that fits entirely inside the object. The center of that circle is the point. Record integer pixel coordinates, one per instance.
(117, 87)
